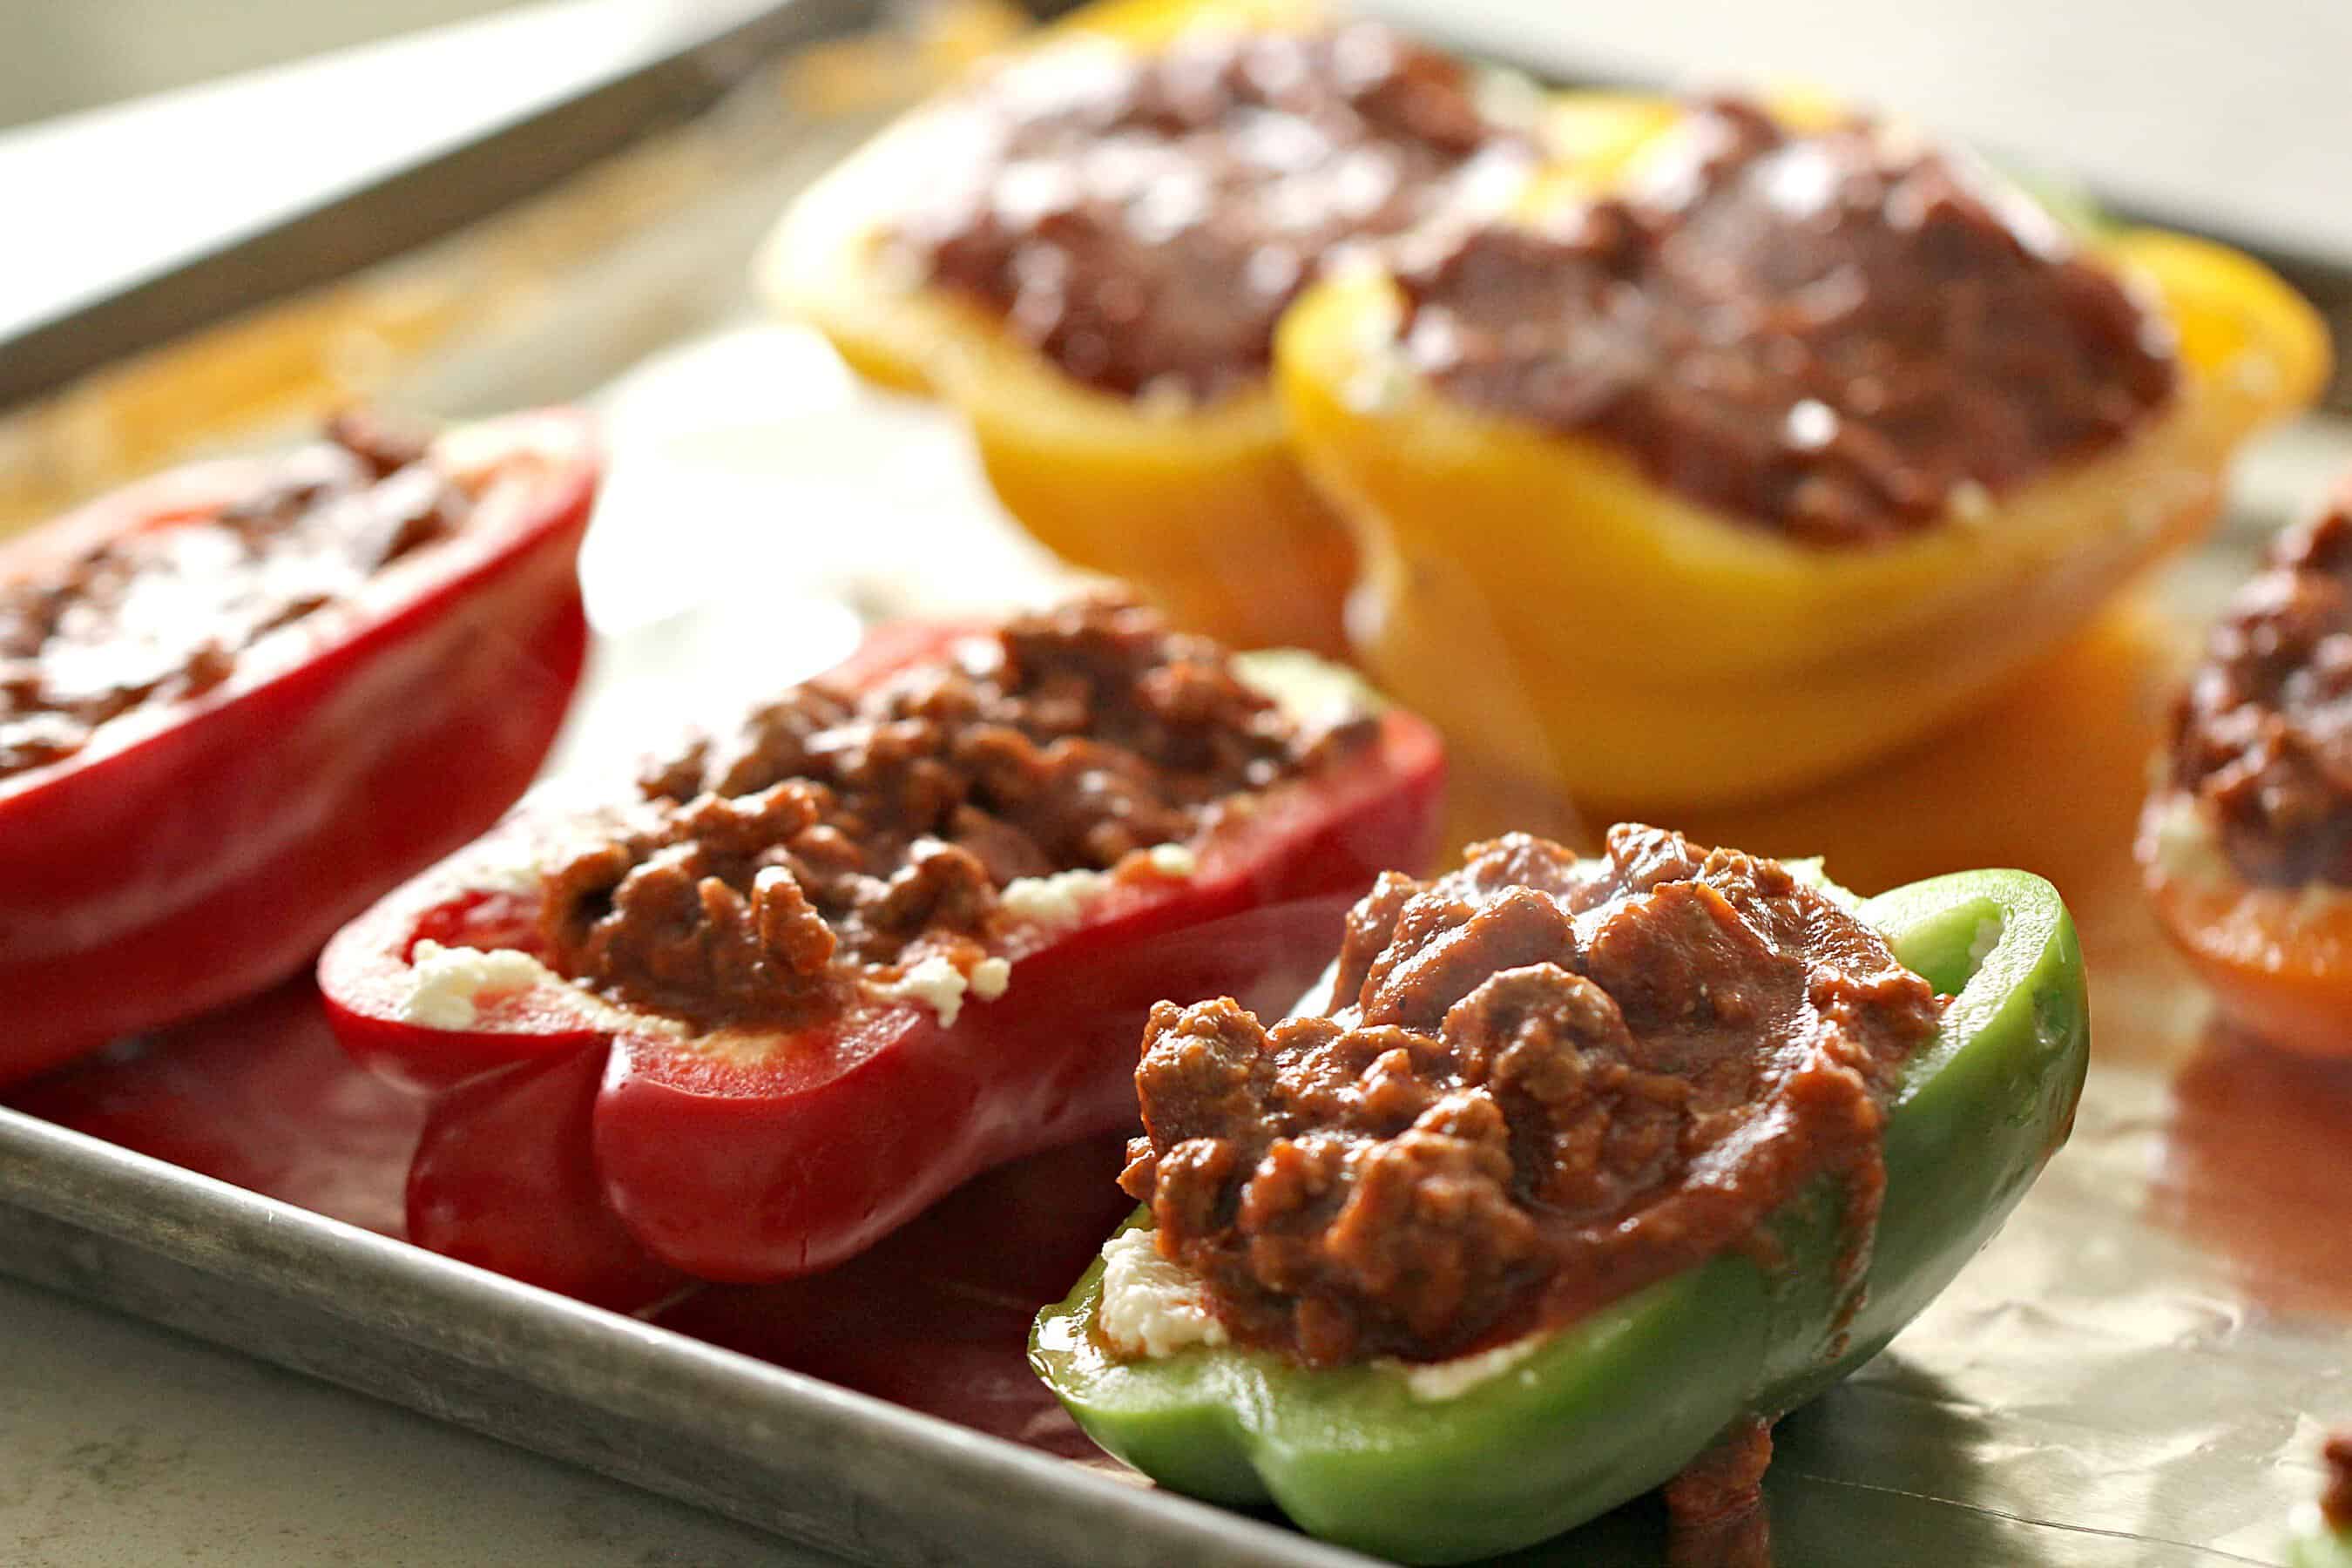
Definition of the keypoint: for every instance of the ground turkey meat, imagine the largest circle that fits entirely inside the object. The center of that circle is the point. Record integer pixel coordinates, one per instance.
(1144, 220)
(160, 614)
(1545, 1083)
(839, 834)
(2262, 736)
(1840, 335)
(2335, 1502)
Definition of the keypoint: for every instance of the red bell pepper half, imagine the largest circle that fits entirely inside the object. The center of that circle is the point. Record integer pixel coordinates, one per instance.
(194, 851)
(765, 1153)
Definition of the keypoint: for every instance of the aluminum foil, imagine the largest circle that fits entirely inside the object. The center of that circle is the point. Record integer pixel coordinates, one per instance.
(2135, 1372)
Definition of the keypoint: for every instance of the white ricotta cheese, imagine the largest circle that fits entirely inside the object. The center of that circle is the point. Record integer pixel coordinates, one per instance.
(1054, 901)
(447, 984)
(2176, 838)
(990, 977)
(1174, 861)
(1311, 691)
(1432, 1382)
(936, 983)
(492, 877)
(1062, 899)
(1151, 1307)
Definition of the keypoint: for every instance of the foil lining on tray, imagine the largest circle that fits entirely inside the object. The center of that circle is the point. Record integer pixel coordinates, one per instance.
(2135, 1372)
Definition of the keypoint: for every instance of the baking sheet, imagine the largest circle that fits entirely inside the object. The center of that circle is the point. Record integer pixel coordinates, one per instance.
(2135, 1372)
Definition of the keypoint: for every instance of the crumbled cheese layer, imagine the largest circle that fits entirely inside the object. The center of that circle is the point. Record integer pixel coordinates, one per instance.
(447, 985)
(520, 879)
(990, 977)
(2176, 839)
(1054, 901)
(1062, 899)
(1311, 691)
(1174, 861)
(1151, 1307)
(1432, 1382)
(936, 983)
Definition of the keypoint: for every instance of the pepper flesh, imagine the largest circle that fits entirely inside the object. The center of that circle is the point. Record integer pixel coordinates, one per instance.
(1162, 499)
(758, 1152)
(195, 854)
(1205, 508)
(1593, 1412)
(2278, 960)
(1637, 649)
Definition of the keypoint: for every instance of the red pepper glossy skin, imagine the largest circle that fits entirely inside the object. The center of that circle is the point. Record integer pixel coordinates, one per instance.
(195, 853)
(774, 1154)
(540, 1219)
(255, 1094)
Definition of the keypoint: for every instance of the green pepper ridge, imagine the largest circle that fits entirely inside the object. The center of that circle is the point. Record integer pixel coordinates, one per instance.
(1605, 1409)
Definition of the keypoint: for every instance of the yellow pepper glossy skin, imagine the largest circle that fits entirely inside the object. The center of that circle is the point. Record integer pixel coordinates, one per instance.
(1577, 624)
(1203, 508)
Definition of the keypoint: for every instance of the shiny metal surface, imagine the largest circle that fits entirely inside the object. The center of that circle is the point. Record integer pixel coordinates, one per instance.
(448, 161)
(765, 1445)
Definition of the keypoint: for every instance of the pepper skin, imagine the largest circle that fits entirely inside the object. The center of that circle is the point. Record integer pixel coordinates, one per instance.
(760, 1153)
(1615, 1403)
(1162, 499)
(195, 853)
(2277, 960)
(2277, 955)
(1582, 627)
(1203, 508)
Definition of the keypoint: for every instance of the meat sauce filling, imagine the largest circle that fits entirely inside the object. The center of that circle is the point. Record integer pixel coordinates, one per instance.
(843, 834)
(2262, 738)
(1545, 1084)
(163, 614)
(1143, 221)
(1839, 335)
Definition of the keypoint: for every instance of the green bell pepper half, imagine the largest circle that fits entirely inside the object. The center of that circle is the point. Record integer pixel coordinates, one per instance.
(1602, 1409)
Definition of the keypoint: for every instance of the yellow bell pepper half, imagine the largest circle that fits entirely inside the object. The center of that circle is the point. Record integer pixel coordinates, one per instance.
(1204, 509)
(1574, 624)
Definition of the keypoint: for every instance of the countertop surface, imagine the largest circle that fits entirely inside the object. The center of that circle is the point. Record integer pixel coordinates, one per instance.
(123, 1443)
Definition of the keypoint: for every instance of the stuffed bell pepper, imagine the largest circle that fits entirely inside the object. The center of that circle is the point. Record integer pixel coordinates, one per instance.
(2246, 842)
(1571, 1178)
(1782, 451)
(1086, 251)
(900, 927)
(240, 700)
